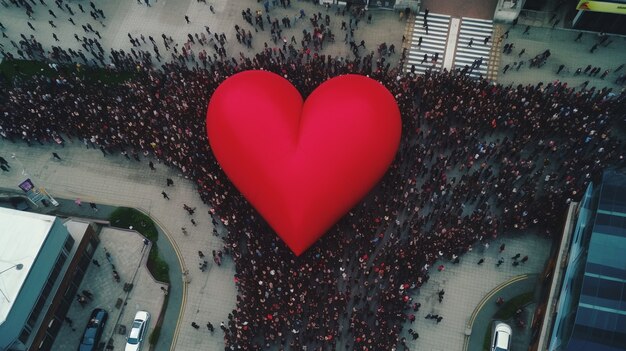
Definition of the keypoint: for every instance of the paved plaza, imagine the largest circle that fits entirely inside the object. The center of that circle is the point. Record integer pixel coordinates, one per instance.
(168, 16)
(465, 284)
(128, 254)
(85, 174)
(210, 296)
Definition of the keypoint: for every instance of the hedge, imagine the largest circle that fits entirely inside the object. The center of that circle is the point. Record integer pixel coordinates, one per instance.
(124, 217)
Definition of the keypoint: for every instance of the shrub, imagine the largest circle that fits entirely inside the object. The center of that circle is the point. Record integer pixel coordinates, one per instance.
(159, 268)
(487, 341)
(124, 217)
(508, 309)
(27, 68)
(154, 336)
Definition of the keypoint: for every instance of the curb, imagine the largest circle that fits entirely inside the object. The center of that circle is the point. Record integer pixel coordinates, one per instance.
(183, 302)
(482, 302)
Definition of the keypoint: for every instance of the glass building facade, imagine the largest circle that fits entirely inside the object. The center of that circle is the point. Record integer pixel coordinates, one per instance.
(592, 308)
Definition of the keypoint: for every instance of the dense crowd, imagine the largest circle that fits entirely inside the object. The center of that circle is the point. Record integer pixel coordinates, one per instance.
(477, 160)
(487, 160)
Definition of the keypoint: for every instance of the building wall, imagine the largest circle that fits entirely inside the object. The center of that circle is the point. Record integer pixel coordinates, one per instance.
(48, 291)
(568, 301)
(66, 292)
(34, 285)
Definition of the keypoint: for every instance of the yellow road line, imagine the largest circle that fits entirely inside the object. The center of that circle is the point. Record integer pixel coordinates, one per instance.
(488, 297)
(408, 35)
(494, 60)
(183, 268)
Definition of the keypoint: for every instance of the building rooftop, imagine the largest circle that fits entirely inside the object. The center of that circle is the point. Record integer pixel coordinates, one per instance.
(22, 235)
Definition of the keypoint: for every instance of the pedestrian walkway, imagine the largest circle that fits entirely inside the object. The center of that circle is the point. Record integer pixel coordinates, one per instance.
(86, 174)
(467, 45)
(474, 44)
(457, 8)
(566, 50)
(480, 323)
(128, 255)
(465, 285)
(167, 17)
(428, 40)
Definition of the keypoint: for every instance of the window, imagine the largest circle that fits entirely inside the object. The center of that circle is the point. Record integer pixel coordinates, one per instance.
(36, 311)
(90, 249)
(43, 296)
(69, 243)
(58, 266)
(24, 334)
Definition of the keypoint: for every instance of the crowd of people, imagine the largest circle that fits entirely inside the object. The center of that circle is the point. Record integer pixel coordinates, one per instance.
(476, 160)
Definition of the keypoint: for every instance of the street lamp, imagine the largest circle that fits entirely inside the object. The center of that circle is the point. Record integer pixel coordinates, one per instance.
(17, 267)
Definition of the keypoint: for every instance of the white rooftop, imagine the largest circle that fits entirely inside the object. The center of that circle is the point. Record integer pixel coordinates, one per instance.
(21, 237)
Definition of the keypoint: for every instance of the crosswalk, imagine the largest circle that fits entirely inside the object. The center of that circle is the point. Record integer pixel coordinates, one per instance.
(456, 46)
(474, 31)
(433, 43)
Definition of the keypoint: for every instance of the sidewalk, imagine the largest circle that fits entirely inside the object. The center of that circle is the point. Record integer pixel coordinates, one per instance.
(465, 285)
(129, 255)
(485, 313)
(482, 9)
(564, 50)
(168, 17)
(87, 175)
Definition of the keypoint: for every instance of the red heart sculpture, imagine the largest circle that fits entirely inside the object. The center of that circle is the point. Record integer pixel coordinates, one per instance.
(303, 166)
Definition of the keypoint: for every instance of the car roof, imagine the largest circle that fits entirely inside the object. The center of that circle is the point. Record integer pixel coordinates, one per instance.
(98, 314)
(143, 315)
(503, 327)
(96, 318)
(98, 311)
(134, 333)
(503, 335)
(90, 333)
(94, 324)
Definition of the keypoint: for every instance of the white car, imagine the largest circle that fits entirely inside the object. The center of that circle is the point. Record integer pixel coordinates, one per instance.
(138, 331)
(502, 337)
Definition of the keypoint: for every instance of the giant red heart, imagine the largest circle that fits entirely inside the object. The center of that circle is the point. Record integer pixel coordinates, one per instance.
(303, 166)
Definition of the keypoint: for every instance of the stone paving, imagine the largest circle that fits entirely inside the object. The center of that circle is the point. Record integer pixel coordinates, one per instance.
(485, 315)
(129, 255)
(168, 16)
(564, 50)
(211, 295)
(465, 284)
(115, 180)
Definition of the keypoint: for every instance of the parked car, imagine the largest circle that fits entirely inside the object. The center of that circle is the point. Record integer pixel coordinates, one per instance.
(138, 331)
(93, 330)
(502, 337)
